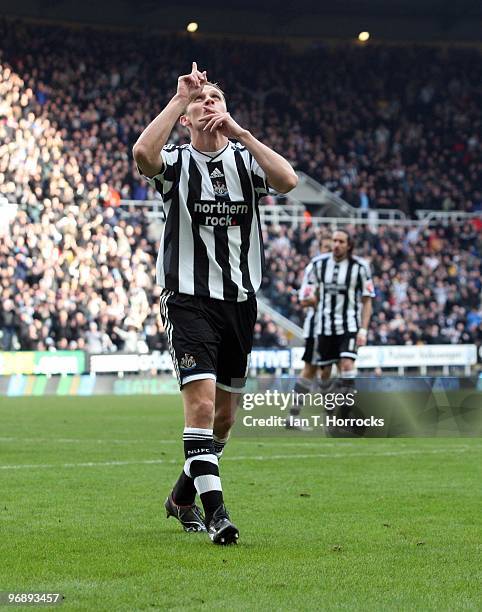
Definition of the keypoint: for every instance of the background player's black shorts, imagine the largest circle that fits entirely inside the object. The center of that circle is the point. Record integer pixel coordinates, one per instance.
(209, 338)
(333, 348)
(311, 351)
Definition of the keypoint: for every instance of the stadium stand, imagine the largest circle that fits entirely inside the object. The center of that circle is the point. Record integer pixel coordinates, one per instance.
(428, 281)
(76, 271)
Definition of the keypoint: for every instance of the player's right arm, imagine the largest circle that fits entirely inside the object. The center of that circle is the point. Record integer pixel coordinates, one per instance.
(147, 150)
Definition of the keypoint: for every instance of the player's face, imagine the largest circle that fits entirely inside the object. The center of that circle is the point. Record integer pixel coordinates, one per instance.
(340, 245)
(208, 101)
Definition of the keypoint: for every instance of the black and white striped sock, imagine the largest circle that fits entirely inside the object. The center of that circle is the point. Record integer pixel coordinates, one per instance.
(219, 444)
(184, 491)
(202, 467)
(346, 381)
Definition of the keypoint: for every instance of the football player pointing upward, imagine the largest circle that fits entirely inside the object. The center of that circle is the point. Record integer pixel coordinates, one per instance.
(210, 266)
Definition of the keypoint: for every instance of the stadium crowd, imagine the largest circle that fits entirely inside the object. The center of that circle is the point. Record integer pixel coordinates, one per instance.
(363, 123)
(428, 280)
(77, 272)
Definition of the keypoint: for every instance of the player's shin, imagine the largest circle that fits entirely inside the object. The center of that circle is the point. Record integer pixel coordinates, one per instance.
(346, 380)
(302, 388)
(202, 467)
(184, 491)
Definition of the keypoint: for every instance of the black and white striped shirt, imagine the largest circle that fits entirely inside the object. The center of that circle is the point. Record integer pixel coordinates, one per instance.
(309, 288)
(341, 285)
(212, 243)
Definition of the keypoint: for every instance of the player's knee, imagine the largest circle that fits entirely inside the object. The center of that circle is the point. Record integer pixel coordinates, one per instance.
(309, 371)
(224, 422)
(346, 365)
(200, 412)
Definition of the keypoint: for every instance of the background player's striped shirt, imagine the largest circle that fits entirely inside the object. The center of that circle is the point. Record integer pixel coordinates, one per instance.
(341, 286)
(309, 288)
(211, 244)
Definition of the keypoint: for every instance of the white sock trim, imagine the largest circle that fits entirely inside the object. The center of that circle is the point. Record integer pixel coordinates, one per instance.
(207, 482)
(349, 374)
(209, 458)
(198, 431)
(220, 440)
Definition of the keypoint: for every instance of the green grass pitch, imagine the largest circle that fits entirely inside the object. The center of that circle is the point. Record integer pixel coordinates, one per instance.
(325, 524)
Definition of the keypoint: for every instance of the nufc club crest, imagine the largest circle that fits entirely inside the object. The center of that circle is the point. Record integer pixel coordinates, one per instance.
(220, 188)
(188, 362)
(218, 182)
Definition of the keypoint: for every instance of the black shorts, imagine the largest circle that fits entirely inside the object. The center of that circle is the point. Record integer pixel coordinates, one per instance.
(333, 348)
(209, 338)
(311, 352)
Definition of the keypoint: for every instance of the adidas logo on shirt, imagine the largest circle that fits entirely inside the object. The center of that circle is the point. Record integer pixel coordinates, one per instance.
(216, 173)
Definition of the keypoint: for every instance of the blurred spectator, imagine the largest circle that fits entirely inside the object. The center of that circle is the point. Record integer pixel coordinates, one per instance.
(268, 335)
(97, 341)
(132, 341)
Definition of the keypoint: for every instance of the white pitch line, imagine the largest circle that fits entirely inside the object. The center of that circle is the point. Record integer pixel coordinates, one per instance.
(91, 440)
(462, 449)
(252, 441)
(284, 442)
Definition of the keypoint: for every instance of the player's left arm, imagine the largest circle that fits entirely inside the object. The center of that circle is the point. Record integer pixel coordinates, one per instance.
(278, 170)
(367, 295)
(366, 313)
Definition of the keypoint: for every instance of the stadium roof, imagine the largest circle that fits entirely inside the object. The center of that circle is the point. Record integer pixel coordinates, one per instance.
(417, 20)
(376, 8)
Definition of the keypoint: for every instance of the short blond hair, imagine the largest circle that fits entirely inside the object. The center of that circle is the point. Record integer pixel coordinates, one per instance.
(216, 86)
